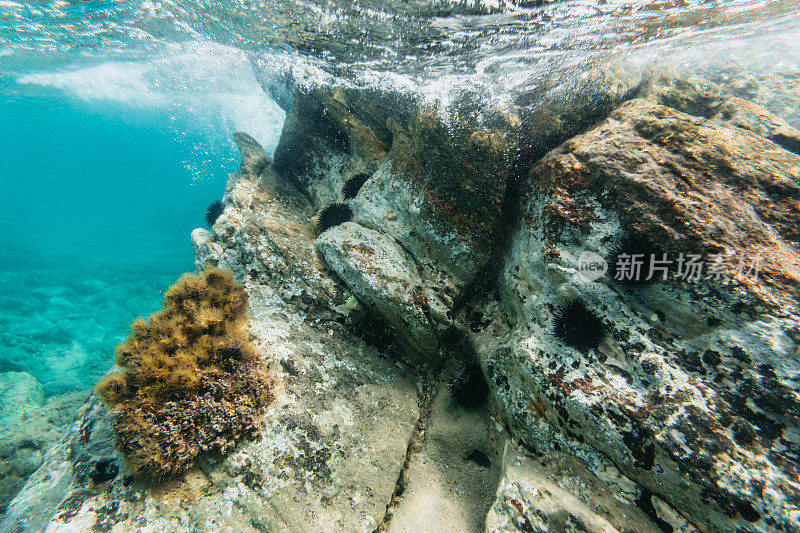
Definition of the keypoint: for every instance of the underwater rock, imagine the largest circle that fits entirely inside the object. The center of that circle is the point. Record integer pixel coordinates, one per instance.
(444, 488)
(84, 443)
(383, 277)
(686, 184)
(442, 178)
(775, 89)
(556, 492)
(696, 95)
(691, 94)
(691, 394)
(551, 114)
(20, 392)
(254, 160)
(30, 425)
(335, 437)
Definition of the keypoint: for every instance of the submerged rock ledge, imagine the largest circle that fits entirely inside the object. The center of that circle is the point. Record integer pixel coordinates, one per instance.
(463, 243)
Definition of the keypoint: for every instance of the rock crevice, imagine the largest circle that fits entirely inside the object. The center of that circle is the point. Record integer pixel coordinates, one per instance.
(382, 329)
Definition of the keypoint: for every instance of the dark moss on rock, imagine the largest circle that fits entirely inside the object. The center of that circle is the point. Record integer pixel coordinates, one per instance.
(479, 458)
(104, 470)
(633, 260)
(354, 184)
(469, 387)
(642, 450)
(213, 212)
(645, 503)
(747, 511)
(744, 433)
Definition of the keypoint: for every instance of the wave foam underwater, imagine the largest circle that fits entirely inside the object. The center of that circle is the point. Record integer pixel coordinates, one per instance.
(136, 150)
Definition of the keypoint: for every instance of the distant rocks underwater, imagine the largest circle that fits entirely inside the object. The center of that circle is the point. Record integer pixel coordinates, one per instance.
(61, 324)
(58, 329)
(414, 287)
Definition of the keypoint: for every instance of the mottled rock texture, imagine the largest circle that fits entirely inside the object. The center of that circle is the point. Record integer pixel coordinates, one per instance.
(463, 245)
(436, 187)
(556, 492)
(443, 183)
(693, 392)
(381, 275)
(30, 425)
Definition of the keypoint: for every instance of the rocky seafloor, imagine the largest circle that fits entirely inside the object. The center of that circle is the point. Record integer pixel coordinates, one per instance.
(71, 317)
(463, 245)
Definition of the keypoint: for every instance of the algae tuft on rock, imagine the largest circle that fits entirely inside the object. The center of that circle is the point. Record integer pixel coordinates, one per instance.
(192, 382)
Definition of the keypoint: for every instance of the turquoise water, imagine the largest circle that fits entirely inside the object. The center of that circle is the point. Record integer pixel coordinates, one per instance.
(99, 199)
(117, 120)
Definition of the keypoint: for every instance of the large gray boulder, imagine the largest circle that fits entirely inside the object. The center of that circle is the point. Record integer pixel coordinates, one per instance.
(383, 277)
(692, 393)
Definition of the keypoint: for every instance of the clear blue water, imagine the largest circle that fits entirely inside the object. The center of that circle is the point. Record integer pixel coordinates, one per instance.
(98, 201)
(116, 120)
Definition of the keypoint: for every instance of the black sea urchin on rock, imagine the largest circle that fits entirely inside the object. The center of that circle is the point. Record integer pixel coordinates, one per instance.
(333, 215)
(469, 387)
(578, 326)
(630, 260)
(354, 184)
(213, 212)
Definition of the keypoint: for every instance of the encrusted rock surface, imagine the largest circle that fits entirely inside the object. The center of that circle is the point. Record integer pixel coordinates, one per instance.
(556, 492)
(687, 184)
(693, 392)
(436, 187)
(382, 276)
(684, 418)
(30, 425)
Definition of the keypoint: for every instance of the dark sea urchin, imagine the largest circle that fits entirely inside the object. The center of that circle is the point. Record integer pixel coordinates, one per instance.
(333, 215)
(630, 260)
(214, 211)
(353, 185)
(575, 324)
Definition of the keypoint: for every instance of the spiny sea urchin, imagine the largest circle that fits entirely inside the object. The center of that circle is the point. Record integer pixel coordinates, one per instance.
(214, 211)
(469, 387)
(333, 215)
(630, 260)
(575, 324)
(354, 184)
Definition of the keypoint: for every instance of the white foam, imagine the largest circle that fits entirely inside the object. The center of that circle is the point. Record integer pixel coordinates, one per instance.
(204, 84)
(117, 82)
